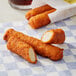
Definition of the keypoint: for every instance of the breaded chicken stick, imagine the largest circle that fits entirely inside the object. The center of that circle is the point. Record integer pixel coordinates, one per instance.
(37, 10)
(46, 50)
(40, 20)
(21, 48)
(55, 36)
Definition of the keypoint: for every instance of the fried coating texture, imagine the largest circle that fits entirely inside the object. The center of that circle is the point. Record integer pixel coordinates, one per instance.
(37, 10)
(46, 50)
(54, 36)
(40, 20)
(21, 48)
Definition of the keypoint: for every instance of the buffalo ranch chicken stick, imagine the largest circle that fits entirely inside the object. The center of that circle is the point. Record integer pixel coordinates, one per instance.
(37, 10)
(21, 48)
(50, 51)
(40, 20)
(54, 36)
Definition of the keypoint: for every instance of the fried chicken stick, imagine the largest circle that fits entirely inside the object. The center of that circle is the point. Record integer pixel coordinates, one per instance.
(21, 48)
(40, 20)
(38, 10)
(46, 50)
(55, 36)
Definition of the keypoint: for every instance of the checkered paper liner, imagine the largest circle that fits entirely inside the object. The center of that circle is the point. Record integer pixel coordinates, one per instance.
(13, 65)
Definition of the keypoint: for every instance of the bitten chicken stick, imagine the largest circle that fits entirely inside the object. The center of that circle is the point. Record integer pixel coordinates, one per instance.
(21, 48)
(40, 20)
(38, 10)
(46, 50)
(55, 36)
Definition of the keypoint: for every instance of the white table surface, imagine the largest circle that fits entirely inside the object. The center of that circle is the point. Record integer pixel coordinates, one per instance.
(9, 14)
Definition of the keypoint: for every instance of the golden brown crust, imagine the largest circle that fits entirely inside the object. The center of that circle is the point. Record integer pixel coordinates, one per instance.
(40, 20)
(21, 48)
(41, 48)
(6, 36)
(38, 10)
(58, 36)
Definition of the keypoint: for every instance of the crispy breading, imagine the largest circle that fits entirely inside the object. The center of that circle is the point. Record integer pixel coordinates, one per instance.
(46, 50)
(37, 10)
(21, 48)
(54, 36)
(40, 20)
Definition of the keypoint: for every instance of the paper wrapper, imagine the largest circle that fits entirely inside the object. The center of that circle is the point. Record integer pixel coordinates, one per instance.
(64, 9)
